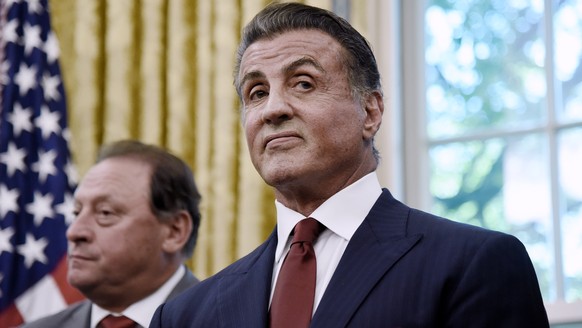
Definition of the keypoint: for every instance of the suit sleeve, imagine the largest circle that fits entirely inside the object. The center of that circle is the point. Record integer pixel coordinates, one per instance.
(498, 288)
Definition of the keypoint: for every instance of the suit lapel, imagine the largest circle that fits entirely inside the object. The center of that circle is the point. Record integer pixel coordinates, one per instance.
(81, 317)
(184, 283)
(377, 244)
(243, 297)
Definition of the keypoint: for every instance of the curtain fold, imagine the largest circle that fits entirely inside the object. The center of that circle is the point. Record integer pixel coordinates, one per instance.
(160, 71)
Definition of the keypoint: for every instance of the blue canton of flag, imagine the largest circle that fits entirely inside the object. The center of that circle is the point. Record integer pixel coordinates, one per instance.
(36, 176)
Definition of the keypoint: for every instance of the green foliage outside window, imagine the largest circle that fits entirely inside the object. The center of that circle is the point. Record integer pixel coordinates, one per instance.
(488, 114)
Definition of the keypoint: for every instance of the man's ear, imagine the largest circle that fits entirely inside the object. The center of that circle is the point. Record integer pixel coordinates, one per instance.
(179, 228)
(374, 108)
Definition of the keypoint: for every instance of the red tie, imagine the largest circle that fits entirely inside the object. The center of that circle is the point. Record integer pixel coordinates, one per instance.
(116, 322)
(292, 303)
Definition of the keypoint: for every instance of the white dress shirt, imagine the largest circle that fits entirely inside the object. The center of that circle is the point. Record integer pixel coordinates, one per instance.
(341, 214)
(142, 311)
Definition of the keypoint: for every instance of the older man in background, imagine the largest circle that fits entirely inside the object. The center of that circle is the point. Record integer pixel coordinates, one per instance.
(136, 222)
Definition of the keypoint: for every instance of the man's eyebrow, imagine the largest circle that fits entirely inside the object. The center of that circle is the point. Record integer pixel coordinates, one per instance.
(251, 76)
(302, 62)
(101, 198)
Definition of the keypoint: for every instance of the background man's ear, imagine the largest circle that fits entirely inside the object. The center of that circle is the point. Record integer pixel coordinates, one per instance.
(179, 229)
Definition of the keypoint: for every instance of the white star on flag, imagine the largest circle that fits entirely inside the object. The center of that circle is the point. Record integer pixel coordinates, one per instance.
(71, 172)
(50, 86)
(20, 119)
(8, 200)
(41, 207)
(33, 250)
(51, 47)
(9, 31)
(67, 208)
(25, 78)
(45, 165)
(31, 38)
(13, 159)
(48, 122)
(35, 6)
(5, 244)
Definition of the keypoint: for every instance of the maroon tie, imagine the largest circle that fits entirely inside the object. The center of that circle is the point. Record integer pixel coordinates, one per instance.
(116, 322)
(292, 303)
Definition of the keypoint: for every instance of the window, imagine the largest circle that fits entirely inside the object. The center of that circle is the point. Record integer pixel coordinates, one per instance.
(492, 111)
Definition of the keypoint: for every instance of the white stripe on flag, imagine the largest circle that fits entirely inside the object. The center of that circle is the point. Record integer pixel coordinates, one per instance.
(40, 300)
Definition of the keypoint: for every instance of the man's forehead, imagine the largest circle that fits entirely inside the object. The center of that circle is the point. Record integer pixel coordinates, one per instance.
(115, 170)
(288, 66)
(315, 36)
(290, 50)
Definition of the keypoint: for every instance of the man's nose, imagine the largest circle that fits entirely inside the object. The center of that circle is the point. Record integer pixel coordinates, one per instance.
(277, 108)
(80, 229)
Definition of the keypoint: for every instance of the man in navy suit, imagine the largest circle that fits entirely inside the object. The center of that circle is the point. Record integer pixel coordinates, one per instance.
(312, 104)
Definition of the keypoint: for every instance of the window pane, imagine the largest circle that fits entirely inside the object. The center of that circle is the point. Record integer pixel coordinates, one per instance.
(570, 159)
(500, 184)
(485, 64)
(568, 53)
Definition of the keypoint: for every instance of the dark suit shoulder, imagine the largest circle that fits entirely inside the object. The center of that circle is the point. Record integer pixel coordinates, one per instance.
(398, 220)
(198, 306)
(423, 222)
(456, 240)
(454, 274)
(74, 316)
(245, 263)
(241, 265)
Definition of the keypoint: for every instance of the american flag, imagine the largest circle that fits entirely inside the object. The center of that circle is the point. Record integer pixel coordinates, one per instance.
(37, 178)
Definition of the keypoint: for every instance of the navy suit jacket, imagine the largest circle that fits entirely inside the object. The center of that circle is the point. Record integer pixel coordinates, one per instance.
(402, 268)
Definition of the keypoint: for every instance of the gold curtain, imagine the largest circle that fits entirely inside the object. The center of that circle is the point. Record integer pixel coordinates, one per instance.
(161, 71)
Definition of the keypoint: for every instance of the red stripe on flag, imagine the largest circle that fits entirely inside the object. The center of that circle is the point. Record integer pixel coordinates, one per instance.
(70, 293)
(10, 317)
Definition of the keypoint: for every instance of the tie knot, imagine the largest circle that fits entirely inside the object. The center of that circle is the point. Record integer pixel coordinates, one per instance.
(111, 321)
(307, 230)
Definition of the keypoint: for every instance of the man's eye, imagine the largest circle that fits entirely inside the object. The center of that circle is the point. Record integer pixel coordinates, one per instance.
(105, 212)
(106, 217)
(305, 85)
(258, 94)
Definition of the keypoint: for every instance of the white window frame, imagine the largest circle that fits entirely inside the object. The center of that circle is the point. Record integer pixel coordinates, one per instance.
(396, 31)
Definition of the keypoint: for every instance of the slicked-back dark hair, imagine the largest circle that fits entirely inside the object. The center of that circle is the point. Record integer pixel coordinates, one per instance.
(172, 185)
(278, 18)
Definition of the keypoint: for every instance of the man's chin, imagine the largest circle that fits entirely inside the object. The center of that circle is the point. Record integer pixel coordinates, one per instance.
(84, 283)
(278, 178)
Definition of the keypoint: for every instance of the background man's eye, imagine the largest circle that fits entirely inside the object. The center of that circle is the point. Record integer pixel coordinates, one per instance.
(258, 94)
(305, 85)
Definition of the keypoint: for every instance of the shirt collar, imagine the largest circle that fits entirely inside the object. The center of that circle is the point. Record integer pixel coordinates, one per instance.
(342, 213)
(142, 311)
